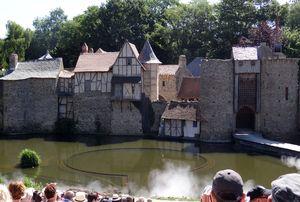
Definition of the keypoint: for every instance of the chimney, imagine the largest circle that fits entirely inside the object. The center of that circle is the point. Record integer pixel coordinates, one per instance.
(84, 48)
(13, 61)
(91, 50)
(182, 61)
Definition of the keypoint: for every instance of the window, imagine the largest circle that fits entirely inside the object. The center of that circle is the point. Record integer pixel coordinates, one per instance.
(128, 61)
(286, 93)
(87, 85)
(164, 83)
(252, 63)
(195, 124)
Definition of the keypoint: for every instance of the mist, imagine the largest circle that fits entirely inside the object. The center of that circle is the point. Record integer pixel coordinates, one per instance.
(291, 162)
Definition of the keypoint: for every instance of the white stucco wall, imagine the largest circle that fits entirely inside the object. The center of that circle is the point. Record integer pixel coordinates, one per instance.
(189, 130)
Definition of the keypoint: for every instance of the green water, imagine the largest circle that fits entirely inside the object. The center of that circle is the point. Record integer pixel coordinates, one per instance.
(121, 161)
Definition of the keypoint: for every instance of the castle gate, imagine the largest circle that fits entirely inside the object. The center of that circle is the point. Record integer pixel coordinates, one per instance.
(245, 119)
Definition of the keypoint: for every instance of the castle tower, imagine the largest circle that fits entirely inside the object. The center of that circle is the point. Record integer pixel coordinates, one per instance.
(150, 78)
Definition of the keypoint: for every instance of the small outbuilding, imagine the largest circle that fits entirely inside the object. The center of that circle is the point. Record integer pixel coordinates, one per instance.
(181, 119)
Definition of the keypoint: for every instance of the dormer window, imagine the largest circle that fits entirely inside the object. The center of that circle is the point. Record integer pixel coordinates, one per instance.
(240, 63)
(128, 61)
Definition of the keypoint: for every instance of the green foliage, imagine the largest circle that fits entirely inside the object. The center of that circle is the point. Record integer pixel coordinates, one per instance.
(174, 28)
(65, 127)
(29, 159)
(1, 179)
(292, 42)
(29, 182)
(294, 16)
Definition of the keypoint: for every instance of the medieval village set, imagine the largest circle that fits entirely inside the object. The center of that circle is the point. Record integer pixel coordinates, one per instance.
(133, 93)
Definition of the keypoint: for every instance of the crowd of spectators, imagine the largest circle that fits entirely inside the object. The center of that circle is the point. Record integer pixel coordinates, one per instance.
(227, 186)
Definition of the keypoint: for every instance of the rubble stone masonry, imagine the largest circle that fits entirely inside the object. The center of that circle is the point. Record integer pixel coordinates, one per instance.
(29, 105)
(279, 98)
(216, 103)
(92, 112)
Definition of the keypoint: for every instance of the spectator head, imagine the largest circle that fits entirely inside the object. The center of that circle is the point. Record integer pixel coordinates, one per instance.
(4, 194)
(286, 188)
(50, 192)
(69, 195)
(17, 190)
(227, 186)
(92, 196)
(36, 197)
(80, 197)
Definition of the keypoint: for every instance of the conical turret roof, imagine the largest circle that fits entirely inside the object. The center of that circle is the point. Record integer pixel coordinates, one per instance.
(47, 56)
(147, 55)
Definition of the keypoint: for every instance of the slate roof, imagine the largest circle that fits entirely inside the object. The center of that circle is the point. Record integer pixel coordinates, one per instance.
(66, 74)
(96, 62)
(244, 53)
(168, 69)
(147, 55)
(183, 111)
(195, 66)
(36, 69)
(189, 89)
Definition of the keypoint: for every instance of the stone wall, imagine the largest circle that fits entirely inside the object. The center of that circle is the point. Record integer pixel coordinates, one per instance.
(167, 87)
(150, 81)
(158, 109)
(29, 105)
(126, 119)
(279, 114)
(216, 103)
(92, 112)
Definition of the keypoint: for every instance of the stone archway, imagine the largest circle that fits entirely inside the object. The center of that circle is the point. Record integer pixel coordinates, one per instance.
(245, 118)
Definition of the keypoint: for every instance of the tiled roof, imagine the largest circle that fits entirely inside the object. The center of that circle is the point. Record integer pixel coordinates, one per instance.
(195, 66)
(147, 55)
(189, 89)
(244, 53)
(168, 69)
(36, 69)
(66, 74)
(182, 111)
(96, 62)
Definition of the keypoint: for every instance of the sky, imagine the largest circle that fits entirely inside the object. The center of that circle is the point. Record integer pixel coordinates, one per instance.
(24, 12)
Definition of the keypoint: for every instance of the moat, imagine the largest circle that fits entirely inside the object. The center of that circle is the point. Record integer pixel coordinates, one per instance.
(128, 162)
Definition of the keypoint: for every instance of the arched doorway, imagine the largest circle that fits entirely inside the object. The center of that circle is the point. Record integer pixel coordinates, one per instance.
(245, 119)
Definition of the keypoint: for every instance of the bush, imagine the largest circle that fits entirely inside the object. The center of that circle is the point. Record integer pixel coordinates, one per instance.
(29, 159)
(29, 182)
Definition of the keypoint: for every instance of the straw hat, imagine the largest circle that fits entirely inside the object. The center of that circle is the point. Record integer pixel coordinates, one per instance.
(80, 197)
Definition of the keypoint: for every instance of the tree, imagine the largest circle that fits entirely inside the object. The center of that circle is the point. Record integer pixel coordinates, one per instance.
(17, 41)
(46, 33)
(294, 16)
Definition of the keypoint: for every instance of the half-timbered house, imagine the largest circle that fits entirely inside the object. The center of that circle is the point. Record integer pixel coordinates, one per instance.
(92, 90)
(127, 90)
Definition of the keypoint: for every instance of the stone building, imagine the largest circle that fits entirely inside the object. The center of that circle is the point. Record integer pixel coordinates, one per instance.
(29, 98)
(170, 78)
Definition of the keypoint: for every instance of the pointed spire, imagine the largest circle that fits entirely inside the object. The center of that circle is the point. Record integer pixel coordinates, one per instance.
(47, 56)
(147, 54)
(84, 48)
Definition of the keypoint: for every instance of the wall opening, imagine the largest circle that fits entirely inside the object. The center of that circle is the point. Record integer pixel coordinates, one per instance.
(245, 119)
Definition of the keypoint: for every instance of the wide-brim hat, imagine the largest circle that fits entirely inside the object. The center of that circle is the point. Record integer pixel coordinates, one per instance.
(80, 197)
(228, 185)
(286, 188)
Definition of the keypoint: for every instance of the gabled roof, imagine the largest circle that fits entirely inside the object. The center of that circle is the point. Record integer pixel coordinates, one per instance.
(147, 55)
(183, 111)
(189, 89)
(36, 69)
(134, 50)
(244, 53)
(66, 74)
(168, 69)
(195, 66)
(96, 62)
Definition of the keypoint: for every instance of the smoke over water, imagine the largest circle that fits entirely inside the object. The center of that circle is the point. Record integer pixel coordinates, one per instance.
(291, 162)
